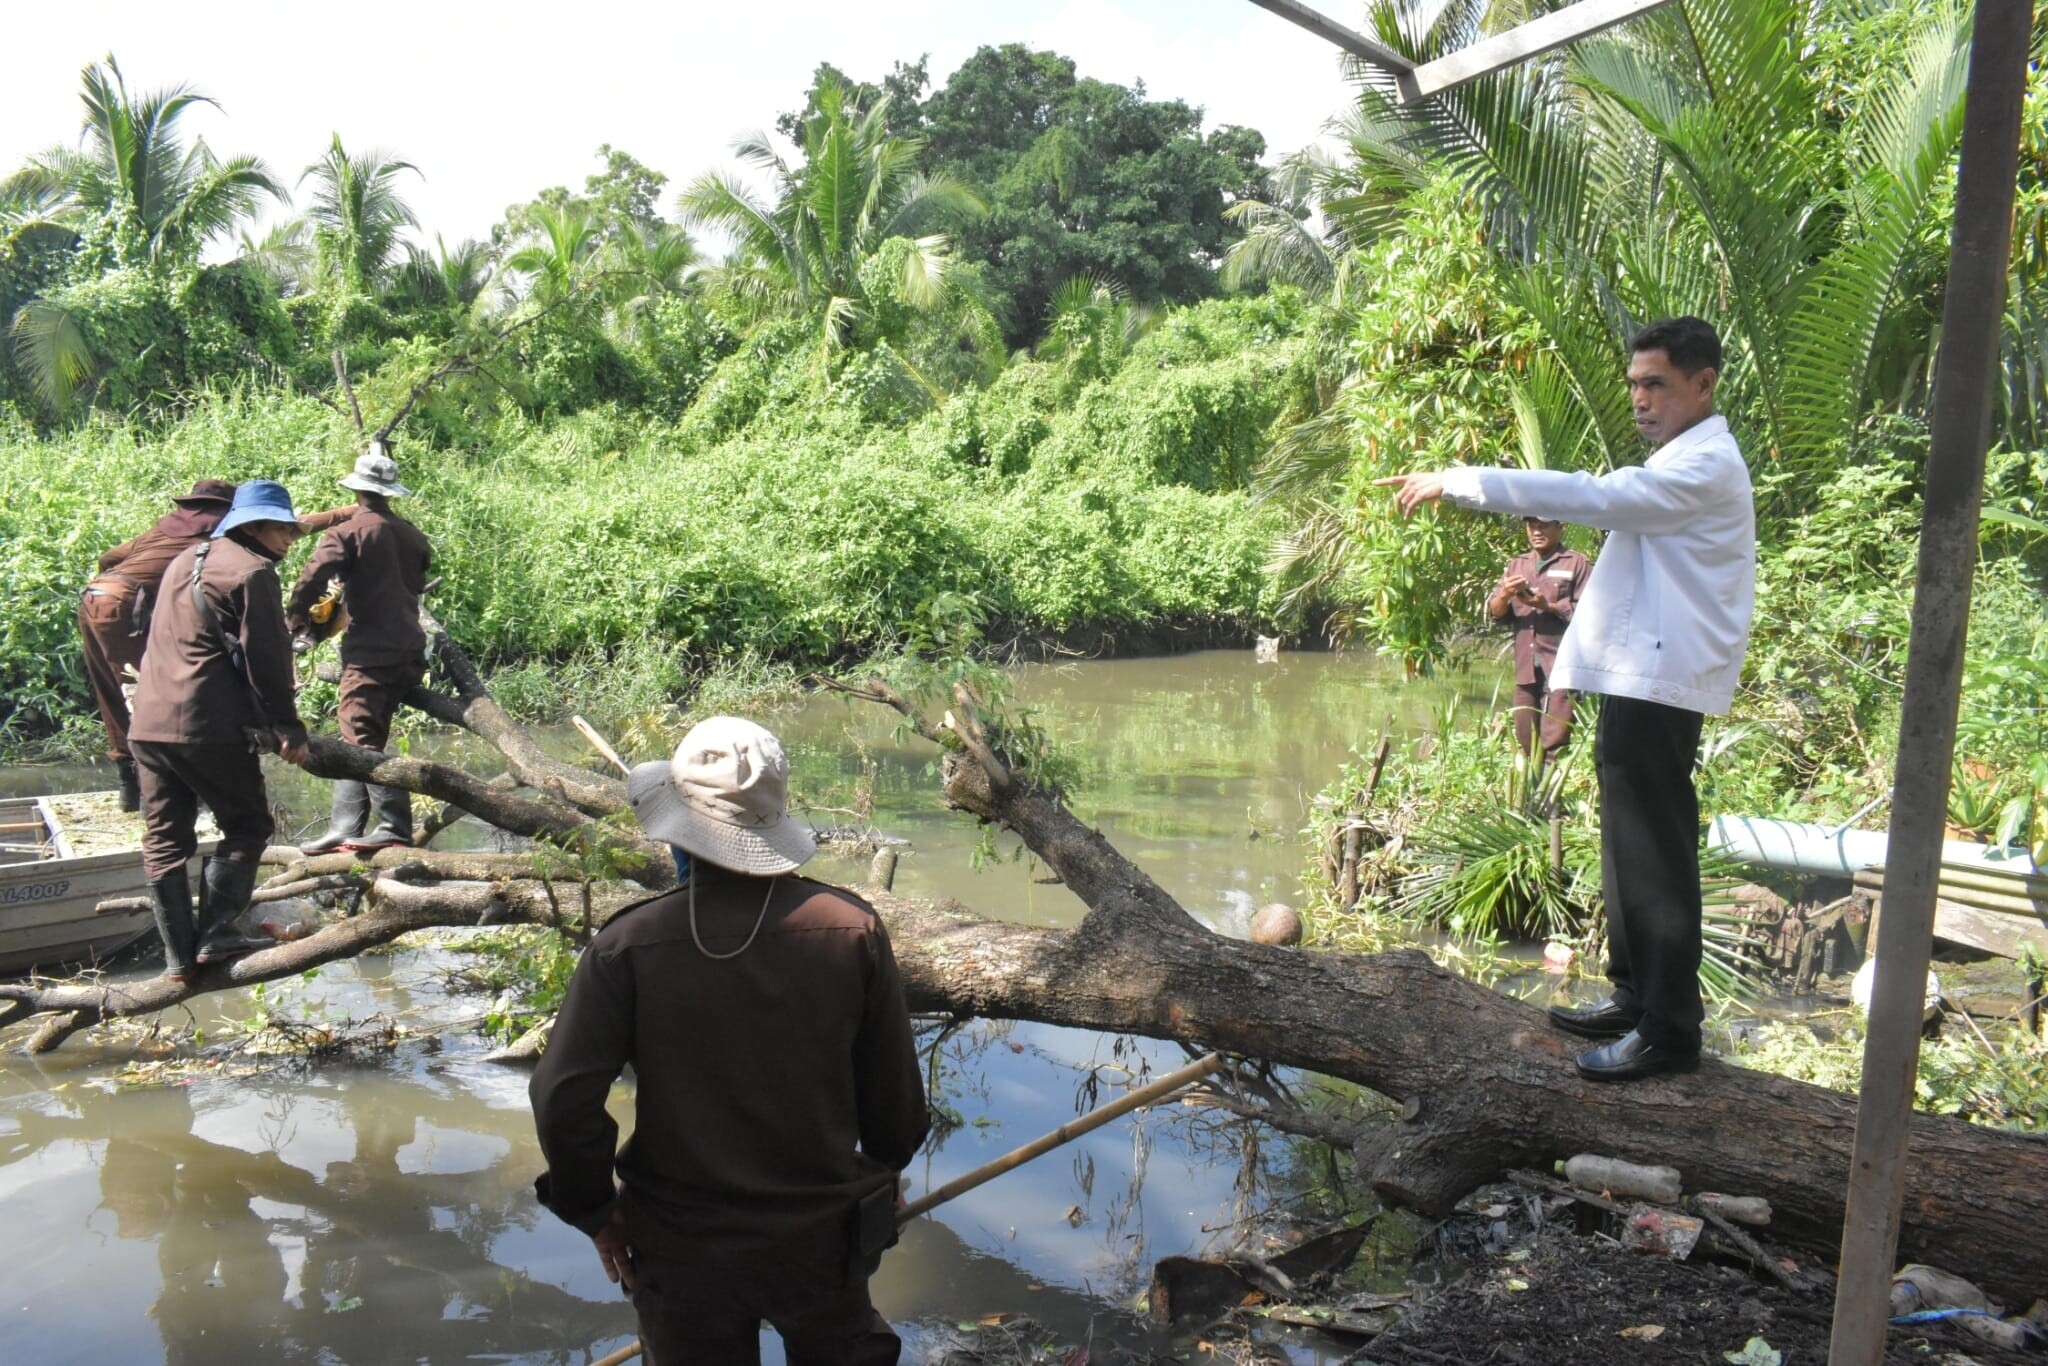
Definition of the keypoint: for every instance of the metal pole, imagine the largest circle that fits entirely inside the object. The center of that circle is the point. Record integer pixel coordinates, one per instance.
(1960, 417)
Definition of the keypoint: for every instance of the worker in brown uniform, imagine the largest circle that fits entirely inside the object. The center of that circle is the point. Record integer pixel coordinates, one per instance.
(215, 693)
(778, 1092)
(1535, 596)
(381, 562)
(114, 611)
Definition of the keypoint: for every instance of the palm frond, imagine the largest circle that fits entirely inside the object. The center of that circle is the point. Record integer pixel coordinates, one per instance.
(50, 347)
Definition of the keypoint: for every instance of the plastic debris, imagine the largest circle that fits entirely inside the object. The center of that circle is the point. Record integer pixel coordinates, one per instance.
(1753, 1210)
(1590, 1172)
(1661, 1233)
(1927, 1294)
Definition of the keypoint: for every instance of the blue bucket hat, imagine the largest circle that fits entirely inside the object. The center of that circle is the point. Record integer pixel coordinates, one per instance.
(259, 500)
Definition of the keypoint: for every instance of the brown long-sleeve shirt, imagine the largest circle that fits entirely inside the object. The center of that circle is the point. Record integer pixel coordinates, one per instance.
(189, 692)
(382, 561)
(775, 1089)
(1558, 578)
(131, 571)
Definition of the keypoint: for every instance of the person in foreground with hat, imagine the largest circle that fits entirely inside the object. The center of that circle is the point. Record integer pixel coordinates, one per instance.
(379, 561)
(779, 1094)
(215, 693)
(114, 610)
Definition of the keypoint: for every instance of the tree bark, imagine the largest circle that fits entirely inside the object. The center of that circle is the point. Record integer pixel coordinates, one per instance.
(1485, 1083)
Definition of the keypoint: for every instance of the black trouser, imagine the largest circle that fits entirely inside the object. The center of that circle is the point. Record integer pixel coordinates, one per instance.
(1650, 864)
(683, 1320)
(176, 778)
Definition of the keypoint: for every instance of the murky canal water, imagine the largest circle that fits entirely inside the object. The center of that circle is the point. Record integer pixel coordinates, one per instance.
(372, 1213)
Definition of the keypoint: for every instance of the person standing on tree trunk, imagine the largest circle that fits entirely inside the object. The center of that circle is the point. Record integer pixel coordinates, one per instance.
(1536, 595)
(378, 561)
(1660, 635)
(114, 611)
(214, 695)
(779, 1095)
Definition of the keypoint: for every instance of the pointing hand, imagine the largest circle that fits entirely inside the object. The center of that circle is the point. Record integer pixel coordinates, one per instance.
(1414, 490)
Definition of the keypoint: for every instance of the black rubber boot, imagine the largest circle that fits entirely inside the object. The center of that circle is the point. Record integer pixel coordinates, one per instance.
(392, 807)
(131, 784)
(224, 895)
(344, 818)
(172, 895)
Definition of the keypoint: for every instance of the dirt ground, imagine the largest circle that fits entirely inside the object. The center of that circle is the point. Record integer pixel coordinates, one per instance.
(1554, 1295)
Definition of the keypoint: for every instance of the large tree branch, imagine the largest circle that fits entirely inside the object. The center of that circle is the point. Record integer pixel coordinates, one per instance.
(391, 908)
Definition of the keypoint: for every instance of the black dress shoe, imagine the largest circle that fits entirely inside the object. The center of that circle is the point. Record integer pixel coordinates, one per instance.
(1604, 1021)
(1632, 1057)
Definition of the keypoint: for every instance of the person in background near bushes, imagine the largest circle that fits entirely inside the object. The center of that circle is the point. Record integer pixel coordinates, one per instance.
(1660, 634)
(779, 1095)
(114, 611)
(216, 691)
(1536, 595)
(379, 561)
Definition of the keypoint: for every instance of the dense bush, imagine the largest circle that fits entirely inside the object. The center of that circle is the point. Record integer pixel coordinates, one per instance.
(787, 514)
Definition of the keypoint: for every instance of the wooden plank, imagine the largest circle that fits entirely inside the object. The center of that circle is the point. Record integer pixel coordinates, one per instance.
(1350, 39)
(1542, 34)
(1967, 375)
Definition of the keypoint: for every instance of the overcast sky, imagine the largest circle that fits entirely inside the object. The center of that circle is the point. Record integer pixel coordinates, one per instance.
(495, 102)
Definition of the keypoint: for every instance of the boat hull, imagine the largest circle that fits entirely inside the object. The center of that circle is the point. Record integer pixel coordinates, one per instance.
(49, 907)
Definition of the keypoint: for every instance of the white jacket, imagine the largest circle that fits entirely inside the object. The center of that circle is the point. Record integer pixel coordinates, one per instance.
(1665, 615)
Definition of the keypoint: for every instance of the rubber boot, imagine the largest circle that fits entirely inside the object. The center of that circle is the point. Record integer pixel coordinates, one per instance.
(392, 807)
(172, 895)
(224, 894)
(131, 784)
(344, 818)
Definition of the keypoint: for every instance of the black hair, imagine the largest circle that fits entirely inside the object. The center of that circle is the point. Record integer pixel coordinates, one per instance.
(1692, 343)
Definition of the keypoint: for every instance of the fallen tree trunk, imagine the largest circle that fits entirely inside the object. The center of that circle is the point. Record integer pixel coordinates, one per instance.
(1484, 1083)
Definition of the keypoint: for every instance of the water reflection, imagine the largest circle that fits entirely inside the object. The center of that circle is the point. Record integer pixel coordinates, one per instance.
(382, 1213)
(341, 1240)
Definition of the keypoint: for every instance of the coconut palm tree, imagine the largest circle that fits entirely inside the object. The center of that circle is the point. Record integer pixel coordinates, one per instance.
(165, 200)
(1682, 165)
(357, 213)
(857, 187)
(562, 244)
(456, 279)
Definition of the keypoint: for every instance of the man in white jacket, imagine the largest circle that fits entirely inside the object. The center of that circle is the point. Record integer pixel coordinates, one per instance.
(1660, 634)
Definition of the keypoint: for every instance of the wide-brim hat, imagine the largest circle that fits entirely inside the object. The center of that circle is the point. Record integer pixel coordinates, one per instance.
(207, 493)
(376, 472)
(259, 500)
(724, 798)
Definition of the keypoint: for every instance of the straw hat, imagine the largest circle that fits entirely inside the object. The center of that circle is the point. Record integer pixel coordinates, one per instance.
(724, 798)
(376, 472)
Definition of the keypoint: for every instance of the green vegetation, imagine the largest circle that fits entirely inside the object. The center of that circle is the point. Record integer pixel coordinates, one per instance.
(1028, 350)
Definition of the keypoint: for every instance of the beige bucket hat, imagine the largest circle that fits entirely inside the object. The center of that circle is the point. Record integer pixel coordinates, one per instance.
(376, 472)
(724, 798)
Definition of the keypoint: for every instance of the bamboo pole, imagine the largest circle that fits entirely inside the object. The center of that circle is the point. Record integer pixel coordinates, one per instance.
(603, 746)
(1967, 376)
(1066, 1133)
(1037, 1147)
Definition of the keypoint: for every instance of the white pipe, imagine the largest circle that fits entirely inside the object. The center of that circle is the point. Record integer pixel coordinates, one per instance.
(1800, 846)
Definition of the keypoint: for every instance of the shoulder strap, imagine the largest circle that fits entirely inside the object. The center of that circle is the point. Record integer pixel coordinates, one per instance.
(207, 616)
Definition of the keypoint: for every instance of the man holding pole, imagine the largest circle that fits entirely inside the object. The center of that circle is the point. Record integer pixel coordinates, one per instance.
(1660, 635)
(778, 1090)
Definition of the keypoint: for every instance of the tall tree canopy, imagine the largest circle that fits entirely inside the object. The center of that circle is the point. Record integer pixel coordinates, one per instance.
(1083, 178)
